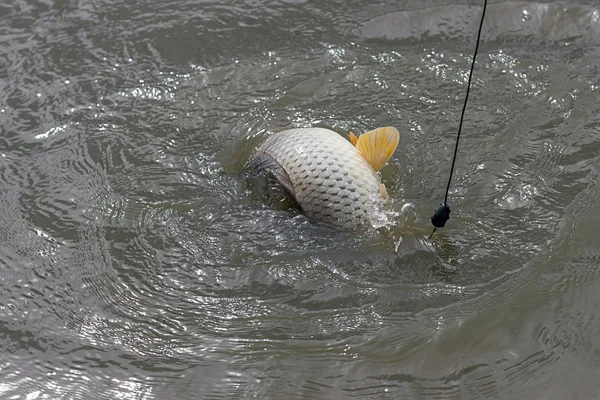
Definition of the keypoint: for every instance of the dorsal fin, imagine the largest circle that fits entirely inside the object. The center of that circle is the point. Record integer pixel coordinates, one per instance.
(353, 138)
(378, 145)
(262, 162)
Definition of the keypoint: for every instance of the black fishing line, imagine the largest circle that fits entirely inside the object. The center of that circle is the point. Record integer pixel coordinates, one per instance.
(442, 215)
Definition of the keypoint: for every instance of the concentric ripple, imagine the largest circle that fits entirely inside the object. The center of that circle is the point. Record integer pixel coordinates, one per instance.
(136, 263)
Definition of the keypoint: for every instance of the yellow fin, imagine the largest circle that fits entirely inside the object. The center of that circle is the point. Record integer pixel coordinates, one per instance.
(378, 145)
(383, 191)
(353, 138)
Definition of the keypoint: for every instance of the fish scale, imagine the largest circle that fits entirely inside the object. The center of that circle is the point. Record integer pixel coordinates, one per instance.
(328, 177)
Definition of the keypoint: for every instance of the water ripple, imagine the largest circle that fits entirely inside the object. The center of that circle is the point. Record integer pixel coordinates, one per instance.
(135, 263)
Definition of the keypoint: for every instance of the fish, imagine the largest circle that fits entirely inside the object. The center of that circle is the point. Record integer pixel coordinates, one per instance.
(331, 179)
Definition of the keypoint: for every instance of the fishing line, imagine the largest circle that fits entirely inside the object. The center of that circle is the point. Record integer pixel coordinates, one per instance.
(442, 215)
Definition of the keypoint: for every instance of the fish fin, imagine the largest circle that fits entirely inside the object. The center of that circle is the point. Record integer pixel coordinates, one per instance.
(353, 138)
(383, 191)
(378, 145)
(261, 163)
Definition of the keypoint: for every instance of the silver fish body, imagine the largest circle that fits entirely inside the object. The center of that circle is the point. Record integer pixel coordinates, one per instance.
(325, 173)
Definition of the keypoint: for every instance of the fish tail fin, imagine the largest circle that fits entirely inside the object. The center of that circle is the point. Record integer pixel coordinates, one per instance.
(353, 138)
(383, 191)
(378, 145)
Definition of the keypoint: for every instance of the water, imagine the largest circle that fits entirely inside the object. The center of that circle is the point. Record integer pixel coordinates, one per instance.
(135, 264)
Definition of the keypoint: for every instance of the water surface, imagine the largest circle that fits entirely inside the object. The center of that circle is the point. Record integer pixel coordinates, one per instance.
(137, 265)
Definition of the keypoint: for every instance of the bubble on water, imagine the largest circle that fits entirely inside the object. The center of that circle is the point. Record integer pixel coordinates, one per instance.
(408, 207)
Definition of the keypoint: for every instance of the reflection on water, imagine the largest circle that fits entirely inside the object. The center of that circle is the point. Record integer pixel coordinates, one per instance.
(135, 264)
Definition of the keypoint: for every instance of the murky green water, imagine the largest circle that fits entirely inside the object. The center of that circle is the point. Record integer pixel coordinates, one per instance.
(136, 265)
